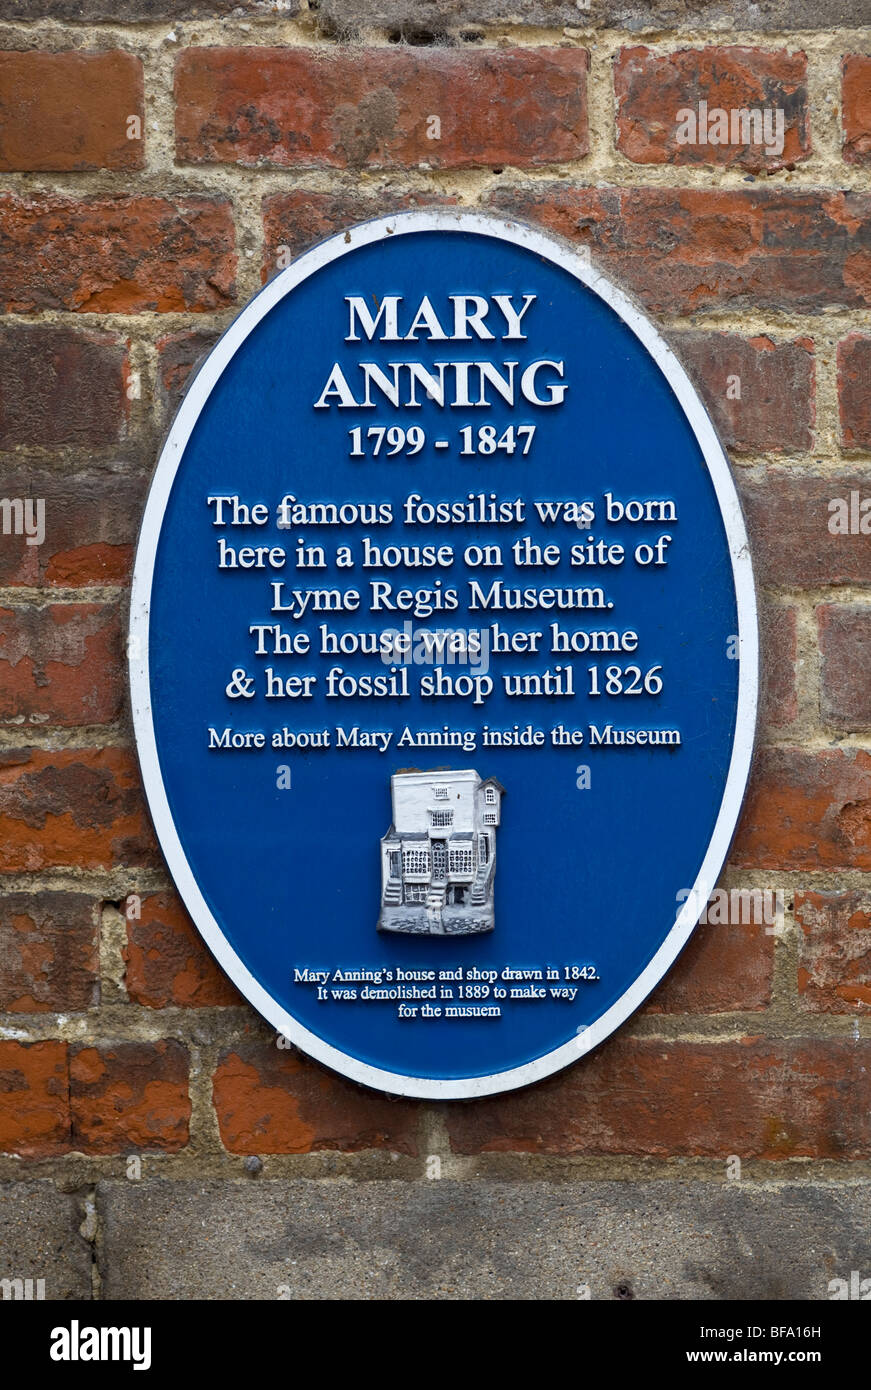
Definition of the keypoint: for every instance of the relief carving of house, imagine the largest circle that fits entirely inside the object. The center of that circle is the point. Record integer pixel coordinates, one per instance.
(438, 859)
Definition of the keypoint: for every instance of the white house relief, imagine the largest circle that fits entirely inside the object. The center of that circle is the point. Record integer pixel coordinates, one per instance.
(438, 859)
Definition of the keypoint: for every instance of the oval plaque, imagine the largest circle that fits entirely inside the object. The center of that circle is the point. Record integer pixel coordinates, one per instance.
(443, 654)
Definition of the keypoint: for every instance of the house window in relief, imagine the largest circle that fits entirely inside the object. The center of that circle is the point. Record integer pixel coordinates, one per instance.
(461, 861)
(415, 861)
(442, 817)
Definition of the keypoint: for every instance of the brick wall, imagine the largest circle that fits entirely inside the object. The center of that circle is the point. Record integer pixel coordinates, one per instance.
(160, 159)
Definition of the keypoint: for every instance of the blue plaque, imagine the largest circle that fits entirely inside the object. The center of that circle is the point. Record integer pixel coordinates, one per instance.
(443, 654)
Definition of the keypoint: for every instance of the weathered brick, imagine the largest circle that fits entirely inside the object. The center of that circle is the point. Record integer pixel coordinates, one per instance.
(756, 1098)
(856, 107)
(129, 1094)
(61, 664)
(292, 222)
(41, 1240)
(724, 967)
(353, 108)
(794, 522)
(34, 1099)
(136, 11)
(487, 1239)
(760, 394)
(806, 810)
(845, 650)
(834, 960)
(116, 255)
(419, 19)
(69, 111)
(854, 391)
(273, 1101)
(652, 88)
(91, 520)
(779, 650)
(48, 952)
(167, 961)
(178, 355)
(688, 249)
(61, 386)
(78, 807)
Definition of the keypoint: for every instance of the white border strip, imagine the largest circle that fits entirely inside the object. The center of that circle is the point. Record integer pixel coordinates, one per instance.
(563, 255)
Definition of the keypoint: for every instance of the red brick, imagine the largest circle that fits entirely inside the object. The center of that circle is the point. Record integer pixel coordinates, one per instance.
(651, 88)
(779, 651)
(845, 649)
(790, 517)
(178, 356)
(775, 410)
(91, 519)
(60, 664)
(292, 222)
(273, 1101)
(755, 1098)
(116, 255)
(129, 1095)
(682, 250)
(370, 107)
(806, 810)
(854, 391)
(167, 962)
(856, 108)
(48, 952)
(724, 967)
(68, 111)
(834, 952)
(61, 386)
(34, 1099)
(81, 808)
